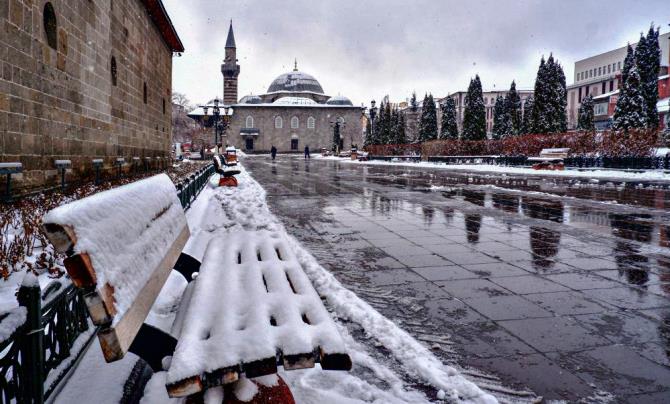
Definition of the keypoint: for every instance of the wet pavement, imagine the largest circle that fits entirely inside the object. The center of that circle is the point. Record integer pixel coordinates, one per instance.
(560, 286)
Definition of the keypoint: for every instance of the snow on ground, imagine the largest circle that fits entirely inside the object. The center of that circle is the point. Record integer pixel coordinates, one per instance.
(228, 210)
(591, 173)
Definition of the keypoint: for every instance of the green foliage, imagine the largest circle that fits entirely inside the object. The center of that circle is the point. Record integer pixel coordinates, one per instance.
(549, 108)
(474, 116)
(585, 115)
(449, 129)
(428, 121)
(502, 123)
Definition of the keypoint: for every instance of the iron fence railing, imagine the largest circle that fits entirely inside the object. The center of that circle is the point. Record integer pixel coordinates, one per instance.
(54, 320)
(189, 189)
(626, 163)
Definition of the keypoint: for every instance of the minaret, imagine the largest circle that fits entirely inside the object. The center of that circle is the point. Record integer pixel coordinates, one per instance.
(230, 69)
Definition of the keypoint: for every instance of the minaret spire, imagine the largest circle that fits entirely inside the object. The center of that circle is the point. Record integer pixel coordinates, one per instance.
(295, 65)
(230, 41)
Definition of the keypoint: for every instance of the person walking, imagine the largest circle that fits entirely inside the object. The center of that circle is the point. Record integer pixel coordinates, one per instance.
(307, 152)
(273, 152)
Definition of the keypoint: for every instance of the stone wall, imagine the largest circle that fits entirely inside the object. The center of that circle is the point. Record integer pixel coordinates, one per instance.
(62, 103)
(267, 135)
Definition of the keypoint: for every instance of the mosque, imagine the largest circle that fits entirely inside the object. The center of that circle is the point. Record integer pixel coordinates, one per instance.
(293, 113)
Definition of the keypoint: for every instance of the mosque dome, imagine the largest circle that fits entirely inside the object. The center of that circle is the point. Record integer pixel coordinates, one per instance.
(251, 99)
(339, 100)
(295, 81)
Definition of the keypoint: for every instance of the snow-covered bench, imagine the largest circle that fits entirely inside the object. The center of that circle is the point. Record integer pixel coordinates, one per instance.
(550, 159)
(250, 309)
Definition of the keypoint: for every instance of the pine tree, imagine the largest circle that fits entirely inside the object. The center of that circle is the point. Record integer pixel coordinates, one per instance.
(385, 124)
(585, 118)
(500, 119)
(549, 114)
(428, 122)
(648, 59)
(628, 63)
(630, 110)
(527, 122)
(513, 109)
(401, 138)
(413, 105)
(449, 128)
(368, 133)
(474, 116)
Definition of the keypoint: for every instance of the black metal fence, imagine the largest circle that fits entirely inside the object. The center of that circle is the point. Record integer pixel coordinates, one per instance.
(189, 189)
(55, 318)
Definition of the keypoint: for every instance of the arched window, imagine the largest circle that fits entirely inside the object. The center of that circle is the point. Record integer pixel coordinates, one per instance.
(50, 26)
(250, 122)
(113, 70)
(145, 95)
(311, 122)
(279, 123)
(295, 123)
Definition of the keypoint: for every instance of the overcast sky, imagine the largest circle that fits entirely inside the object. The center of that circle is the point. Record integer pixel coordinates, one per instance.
(365, 49)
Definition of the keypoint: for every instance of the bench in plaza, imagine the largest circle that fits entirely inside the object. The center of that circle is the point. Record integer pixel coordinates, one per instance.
(250, 309)
(225, 166)
(550, 159)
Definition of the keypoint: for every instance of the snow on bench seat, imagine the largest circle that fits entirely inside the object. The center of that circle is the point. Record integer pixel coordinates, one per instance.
(252, 307)
(121, 246)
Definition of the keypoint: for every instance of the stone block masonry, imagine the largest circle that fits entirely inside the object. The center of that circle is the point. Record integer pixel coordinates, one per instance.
(83, 79)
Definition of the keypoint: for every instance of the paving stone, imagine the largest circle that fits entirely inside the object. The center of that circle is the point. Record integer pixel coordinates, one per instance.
(618, 369)
(564, 303)
(472, 288)
(416, 261)
(623, 328)
(493, 270)
(507, 308)
(444, 273)
(553, 334)
(527, 284)
(582, 281)
(392, 277)
(628, 298)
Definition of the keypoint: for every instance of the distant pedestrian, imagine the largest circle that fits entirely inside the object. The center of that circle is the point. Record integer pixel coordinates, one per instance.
(307, 152)
(273, 152)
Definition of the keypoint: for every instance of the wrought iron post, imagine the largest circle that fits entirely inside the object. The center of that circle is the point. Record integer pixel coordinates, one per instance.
(32, 350)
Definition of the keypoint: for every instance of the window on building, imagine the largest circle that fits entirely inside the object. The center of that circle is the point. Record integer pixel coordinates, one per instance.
(611, 85)
(163, 106)
(113, 70)
(600, 71)
(603, 90)
(50, 26)
(249, 122)
(587, 91)
(279, 123)
(609, 69)
(618, 66)
(144, 94)
(295, 123)
(600, 109)
(311, 122)
(249, 143)
(579, 97)
(294, 144)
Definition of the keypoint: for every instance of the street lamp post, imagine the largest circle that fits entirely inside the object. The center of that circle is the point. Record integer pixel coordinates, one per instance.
(373, 111)
(219, 125)
(337, 136)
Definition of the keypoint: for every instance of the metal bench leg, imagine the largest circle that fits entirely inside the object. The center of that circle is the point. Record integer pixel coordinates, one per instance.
(186, 265)
(152, 345)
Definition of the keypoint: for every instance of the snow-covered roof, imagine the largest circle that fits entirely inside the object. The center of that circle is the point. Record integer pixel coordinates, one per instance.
(294, 101)
(295, 81)
(339, 100)
(606, 95)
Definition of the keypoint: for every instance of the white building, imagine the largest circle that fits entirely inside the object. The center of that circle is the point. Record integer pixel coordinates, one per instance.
(600, 74)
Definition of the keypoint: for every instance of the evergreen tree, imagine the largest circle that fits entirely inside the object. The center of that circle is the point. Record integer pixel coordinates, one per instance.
(474, 116)
(368, 134)
(385, 123)
(501, 121)
(428, 122)
(549, 114)
(413, 105)
(527, 122)
(513, 109)
(648, 60)
(630, 110)
(585, 118)
(400, 137)
(628, 63)
(449, 128)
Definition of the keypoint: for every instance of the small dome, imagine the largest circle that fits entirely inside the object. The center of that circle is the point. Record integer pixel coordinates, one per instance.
(251, 99)
(295, 81)
(295, 101)
(339, 100)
